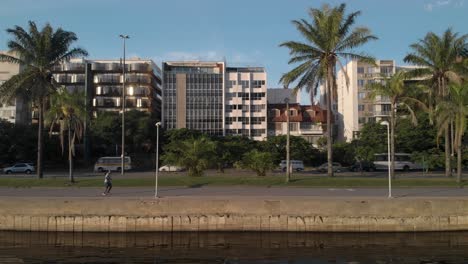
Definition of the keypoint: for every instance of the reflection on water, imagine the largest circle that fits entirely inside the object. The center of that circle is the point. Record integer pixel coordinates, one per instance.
(315, 248)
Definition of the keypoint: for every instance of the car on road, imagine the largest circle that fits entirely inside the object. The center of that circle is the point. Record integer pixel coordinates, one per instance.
(171, 168)
(362, 166)
(112, 164)
(336, 167)
(297, 165)
(27, 168)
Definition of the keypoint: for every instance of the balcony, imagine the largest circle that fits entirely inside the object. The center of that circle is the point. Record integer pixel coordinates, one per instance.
(382, 113)
(139, 67)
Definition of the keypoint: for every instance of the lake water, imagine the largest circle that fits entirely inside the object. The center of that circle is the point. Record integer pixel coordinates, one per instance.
(223, 248)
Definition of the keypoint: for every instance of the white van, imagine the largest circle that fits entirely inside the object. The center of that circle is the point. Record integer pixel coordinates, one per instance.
(402, 162)
(112, 163)
(296, 165)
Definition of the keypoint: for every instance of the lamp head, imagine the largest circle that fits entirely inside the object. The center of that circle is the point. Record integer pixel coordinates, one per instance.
(286, 100)
(158, 124)
(124, 36)
(385, 123)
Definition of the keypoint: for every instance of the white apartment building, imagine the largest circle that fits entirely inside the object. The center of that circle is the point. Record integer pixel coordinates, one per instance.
(17, 111)
(352, 107)
(246, 102)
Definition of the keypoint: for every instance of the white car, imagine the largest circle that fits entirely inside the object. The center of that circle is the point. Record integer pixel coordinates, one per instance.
(170, 168)
(20, 168)
(297, 165)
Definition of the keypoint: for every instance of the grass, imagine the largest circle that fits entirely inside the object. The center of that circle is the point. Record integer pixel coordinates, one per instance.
(274, 181)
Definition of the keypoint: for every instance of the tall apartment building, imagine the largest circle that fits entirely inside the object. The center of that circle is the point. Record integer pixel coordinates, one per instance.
(102, 80)
(193, 96)
(215, 99)
(18, 110)
(246, 102)
(353, 107)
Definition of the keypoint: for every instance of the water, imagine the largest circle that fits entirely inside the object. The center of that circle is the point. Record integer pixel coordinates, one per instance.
(234, 248)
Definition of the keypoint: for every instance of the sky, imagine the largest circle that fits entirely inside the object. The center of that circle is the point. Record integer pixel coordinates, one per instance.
(243, 32)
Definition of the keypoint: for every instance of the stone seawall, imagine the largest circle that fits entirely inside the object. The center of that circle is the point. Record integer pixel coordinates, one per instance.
(296, 214)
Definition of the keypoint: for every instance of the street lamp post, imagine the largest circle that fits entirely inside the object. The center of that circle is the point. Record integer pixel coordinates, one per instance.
(122, 168)
(387, 124)
(158, 124)
(288, 169)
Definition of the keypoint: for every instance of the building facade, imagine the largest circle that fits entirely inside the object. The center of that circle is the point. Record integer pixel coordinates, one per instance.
(193, 96)
(102, 82)
(278, 96)
(18, 110)
(215, 99)
(352, 108)
(246, 102)
(306, 121)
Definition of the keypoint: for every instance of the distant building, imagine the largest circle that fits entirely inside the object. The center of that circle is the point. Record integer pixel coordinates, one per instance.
(215, 99)
(306, 121)
(102, 81)
(277, 96)
(18, 110)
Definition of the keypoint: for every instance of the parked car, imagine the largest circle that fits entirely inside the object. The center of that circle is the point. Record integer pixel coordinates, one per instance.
(336, 167)
(170, 168)
(362, 166)
(20, 168)
(297, 165)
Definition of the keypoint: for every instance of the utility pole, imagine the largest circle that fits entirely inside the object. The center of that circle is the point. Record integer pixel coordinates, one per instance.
(122, 168)
(288, 165)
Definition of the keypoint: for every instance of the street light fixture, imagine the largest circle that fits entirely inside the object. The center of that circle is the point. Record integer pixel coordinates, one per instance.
(386, 123)
(122, 169)
(288, 169)
(158, 124)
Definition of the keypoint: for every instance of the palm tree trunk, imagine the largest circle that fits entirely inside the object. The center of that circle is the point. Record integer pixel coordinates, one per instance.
(448, 167)
(459, 158)
(40, 138)
(329, 125)
(392, 140)
(70, 156)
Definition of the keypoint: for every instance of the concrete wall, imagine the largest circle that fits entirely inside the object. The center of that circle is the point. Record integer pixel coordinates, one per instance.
(236, 214)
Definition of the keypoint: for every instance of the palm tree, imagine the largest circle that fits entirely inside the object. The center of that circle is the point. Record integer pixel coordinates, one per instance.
(455, 109)
(438, 57)
(329, 37)
(37, 52)
(67, 111)
(394, 89)
(195, 154)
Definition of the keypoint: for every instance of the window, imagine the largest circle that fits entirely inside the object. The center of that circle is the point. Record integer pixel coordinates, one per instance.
(244, 96)
(230, 84)
(361, 95)
(362, 120)
(230, 120)
(258, 83)
(257, 96)
(360, 70)
(360, 107)
(386, 108)
(244, 84)
(293, 127)
(361, 83)
(257, 120)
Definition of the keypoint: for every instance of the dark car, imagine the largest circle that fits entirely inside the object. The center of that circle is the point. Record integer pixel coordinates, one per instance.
(363, 166)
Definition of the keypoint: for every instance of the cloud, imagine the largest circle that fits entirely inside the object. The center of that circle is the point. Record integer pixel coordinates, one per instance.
(431, 5)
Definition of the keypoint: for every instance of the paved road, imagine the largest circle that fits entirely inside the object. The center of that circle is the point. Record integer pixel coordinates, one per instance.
(236, 192)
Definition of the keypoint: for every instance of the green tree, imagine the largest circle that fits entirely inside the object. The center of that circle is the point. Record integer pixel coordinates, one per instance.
(67, 111)
(455, 109)
(37, 52)
(258, 161)
(105, 133)
(394, 88)
(438, 57)
(230, 149)
(195, 154)
(300, 149)
(329, 37)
